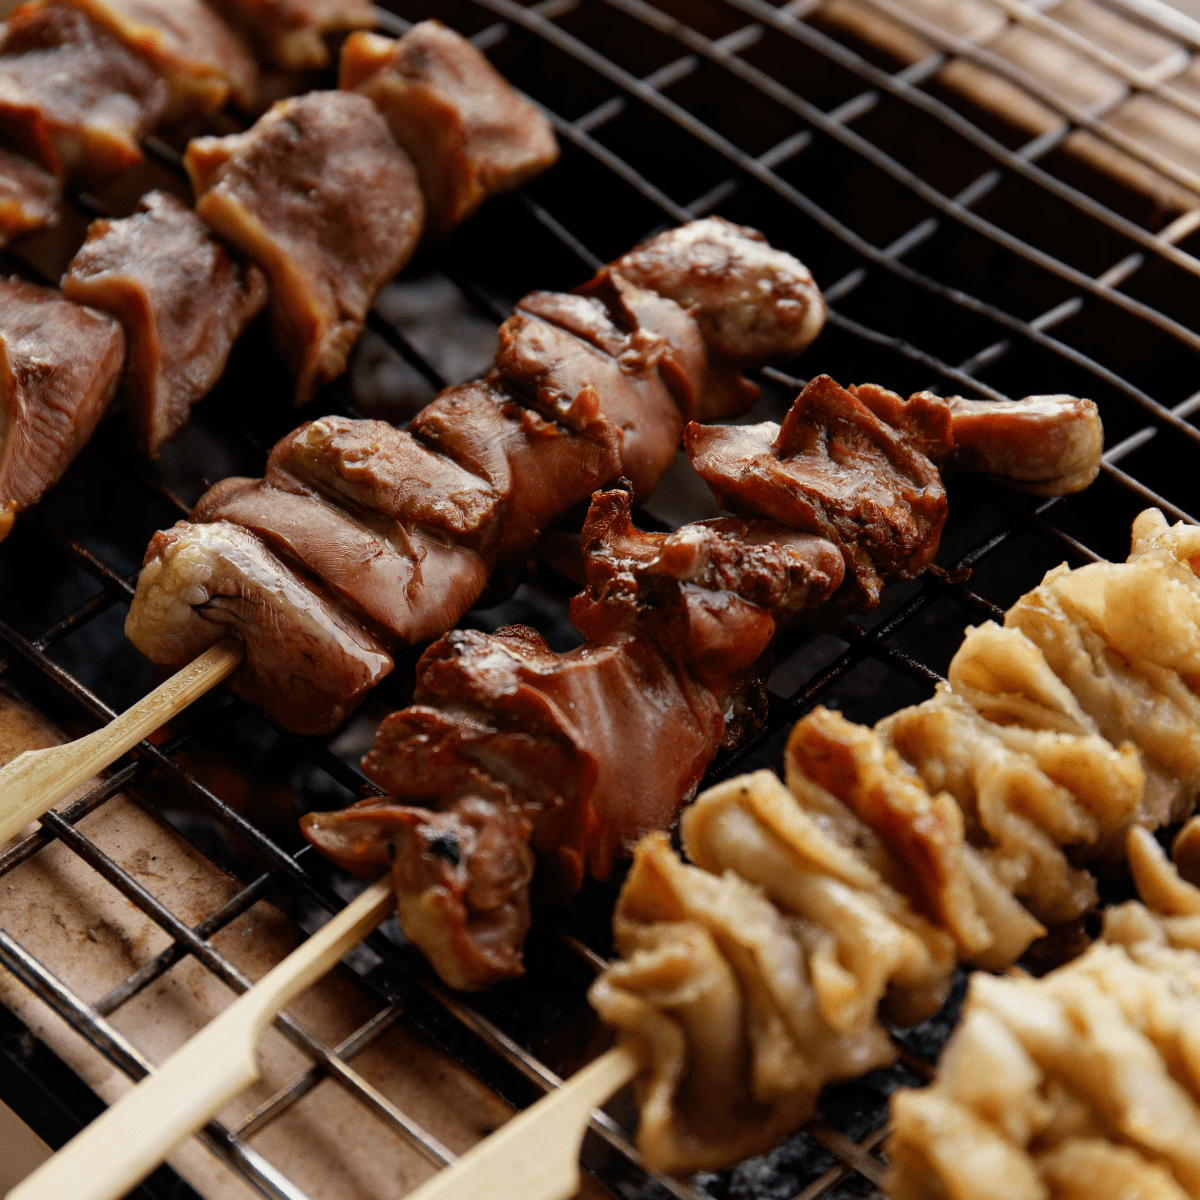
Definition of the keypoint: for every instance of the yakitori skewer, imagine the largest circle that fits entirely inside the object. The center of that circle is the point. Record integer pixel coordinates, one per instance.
(123, 1145)
(36, 780)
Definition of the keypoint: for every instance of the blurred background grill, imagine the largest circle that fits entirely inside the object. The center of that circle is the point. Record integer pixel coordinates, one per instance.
(998, 199)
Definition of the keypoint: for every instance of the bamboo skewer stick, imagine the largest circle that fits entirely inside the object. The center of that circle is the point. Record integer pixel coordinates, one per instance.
(535, 1156)
(36, 780)
(126, 1142)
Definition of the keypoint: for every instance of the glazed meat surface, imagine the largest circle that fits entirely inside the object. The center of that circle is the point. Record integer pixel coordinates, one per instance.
(72, 97)
(303, 656)
(835, 469)
(469, 132)
(181, 299)
(554, 366)
(327, 246)
(29, 197)
(1047, 445)
(859, 465)
(203, 61)
(406, 579)
(754, 304)
(291, 33)
(59, 368)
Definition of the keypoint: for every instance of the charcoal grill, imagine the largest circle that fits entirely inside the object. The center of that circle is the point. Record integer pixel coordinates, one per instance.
(956, 253)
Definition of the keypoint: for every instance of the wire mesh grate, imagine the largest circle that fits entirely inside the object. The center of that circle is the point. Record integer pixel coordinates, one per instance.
(956, 253)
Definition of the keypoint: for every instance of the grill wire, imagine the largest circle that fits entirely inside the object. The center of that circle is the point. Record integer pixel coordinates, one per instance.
(955, 256)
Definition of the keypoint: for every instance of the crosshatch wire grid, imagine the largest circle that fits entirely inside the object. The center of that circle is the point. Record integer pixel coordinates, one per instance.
(954, 255)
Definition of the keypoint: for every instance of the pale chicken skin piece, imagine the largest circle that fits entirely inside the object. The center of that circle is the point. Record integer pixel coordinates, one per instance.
(73, 98)
(713, 990)
(29, 197)
(202, 59)
(59, 368)
(469, 132)
(304, 656)
(181, 299)
(290, 34)
(754, 304)
(322, 198)
(1081, 1084)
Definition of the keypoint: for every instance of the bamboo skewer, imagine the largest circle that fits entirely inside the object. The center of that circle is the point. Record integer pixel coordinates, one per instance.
(126, 1142)
(36, 780)
(535, 1156)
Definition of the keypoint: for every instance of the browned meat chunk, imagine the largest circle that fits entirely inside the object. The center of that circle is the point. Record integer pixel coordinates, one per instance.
(1047, 445)
(835, 469)
(754, 303)
(461, 877)
(59, 367)
(554, 366)
(713, 592)
(470, 134)
(406, 579)
(304, 657)
(203, 61)
(29, 197)
(377, 468)
(705, 385)
(72, 97)
(539, 468)
(291, 33)
(588, 750)
(318, 194)
(181, 299)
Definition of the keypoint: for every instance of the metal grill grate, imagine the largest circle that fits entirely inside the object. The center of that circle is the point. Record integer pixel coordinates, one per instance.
(955, 256)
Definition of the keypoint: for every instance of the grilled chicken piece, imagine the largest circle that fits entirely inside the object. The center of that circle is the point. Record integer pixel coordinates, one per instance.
(714, 986)
(72, 97)
(1047, 445)
(408, 580)
(181, 299)
(868, 945)
(59, 368)
(469, 132)
(374, 467)
(835, 469)
(859, 465)
(203, 61)
(714, 592)
(304, 656)
(754, 304)
(290, 34)
(591, 748)
(554, 366)
(538, 468)
(318, 194)
(29, 197)
(587, 751)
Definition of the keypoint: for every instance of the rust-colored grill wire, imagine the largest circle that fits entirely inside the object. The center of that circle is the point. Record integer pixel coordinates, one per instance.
(953, 256)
